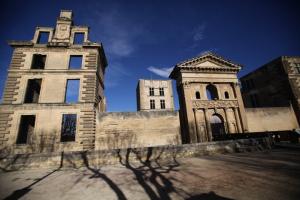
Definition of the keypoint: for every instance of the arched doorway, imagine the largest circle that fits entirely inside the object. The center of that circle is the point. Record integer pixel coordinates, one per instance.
(217, 126)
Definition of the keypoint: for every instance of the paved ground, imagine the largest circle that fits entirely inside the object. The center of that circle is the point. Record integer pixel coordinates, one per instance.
(260, 175)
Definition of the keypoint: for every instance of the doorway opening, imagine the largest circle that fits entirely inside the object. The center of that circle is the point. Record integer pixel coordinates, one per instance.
(217, 126)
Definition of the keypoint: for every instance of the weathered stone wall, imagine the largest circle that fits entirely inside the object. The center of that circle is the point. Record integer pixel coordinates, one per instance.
(137, 129)
(271, 119)
(46, 136)
(136, 155)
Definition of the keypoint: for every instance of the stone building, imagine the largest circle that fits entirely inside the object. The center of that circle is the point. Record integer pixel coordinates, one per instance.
(209, 97)
(154, 95)
(53, 91)
(275, 84)
(54, 99)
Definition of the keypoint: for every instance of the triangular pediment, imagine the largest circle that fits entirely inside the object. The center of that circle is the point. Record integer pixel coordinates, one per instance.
(206, 63)
(208, 60)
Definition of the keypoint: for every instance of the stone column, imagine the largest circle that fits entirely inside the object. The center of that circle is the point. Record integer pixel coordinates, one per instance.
(189, 112)
(242, 112)
(227, 121)
(198, 136)
(208, 128)
(238, 121)
(219, 91)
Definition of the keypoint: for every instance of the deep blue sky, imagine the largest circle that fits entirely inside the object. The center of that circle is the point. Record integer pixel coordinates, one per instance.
(144, 36)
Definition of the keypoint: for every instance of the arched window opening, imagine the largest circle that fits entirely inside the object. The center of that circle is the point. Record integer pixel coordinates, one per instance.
(197, 95)
(226, 94)
(211, 92)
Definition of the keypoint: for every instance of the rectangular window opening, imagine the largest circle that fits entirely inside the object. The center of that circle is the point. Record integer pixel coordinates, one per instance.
(26, 128)
(162, 104)
(161, 92)
(43, 37)
(72, 91)
(38, 61)
(78, 38)
(151, 91)
(33, 91)
(152, 104)
(68, 127)
(75, 62)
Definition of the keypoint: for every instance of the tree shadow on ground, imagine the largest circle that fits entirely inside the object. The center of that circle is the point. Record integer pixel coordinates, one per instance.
(150, 173)
(98, 174)
(208, 196)
(17, 194)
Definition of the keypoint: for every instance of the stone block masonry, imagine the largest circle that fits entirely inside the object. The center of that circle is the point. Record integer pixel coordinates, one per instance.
(137, 129)
(100, 158)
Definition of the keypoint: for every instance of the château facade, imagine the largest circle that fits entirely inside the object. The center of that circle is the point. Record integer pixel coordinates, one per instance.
(154, 95)
(54, 99)
(53, 90)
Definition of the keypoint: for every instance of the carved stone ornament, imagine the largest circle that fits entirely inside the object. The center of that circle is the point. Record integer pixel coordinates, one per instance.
(63, 31)
(186, 84)
(215, 103)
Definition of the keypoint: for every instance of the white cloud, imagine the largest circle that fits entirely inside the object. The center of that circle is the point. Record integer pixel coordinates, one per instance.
(115, 73)
(163, 72)
(198, 33)
(121, 35)
(212, 50)
(117, 31)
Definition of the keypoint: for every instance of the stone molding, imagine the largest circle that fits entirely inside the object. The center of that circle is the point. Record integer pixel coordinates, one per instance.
(215, 104)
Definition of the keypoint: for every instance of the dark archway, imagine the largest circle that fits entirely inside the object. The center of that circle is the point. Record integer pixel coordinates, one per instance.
(217, 125)
(197, 95)
(211, 92)
(226, 94)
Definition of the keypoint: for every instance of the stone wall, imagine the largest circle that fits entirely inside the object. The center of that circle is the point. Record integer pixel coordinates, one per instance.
(271, 119)
(131, 155)
(137, 129)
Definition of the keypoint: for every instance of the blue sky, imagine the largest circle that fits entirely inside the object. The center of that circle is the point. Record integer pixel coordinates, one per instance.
(144, 39)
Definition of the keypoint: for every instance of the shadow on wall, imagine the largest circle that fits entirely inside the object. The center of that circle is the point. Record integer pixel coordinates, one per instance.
(37, 143)
(116, 139)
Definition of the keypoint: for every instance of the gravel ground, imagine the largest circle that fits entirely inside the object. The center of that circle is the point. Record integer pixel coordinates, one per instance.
(271, 174)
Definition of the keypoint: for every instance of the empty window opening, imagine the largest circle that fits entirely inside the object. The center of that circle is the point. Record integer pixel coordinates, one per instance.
(26, 128)
(162, 104)
(226, 94)
(197, 95)
(68, 127)
(211, 92)
(161, 92)
(151, 91)
(72, 91)
(78, 38)
(152, 104)
(33, 91)
(75, 62)
(38, 61)
(43, 37)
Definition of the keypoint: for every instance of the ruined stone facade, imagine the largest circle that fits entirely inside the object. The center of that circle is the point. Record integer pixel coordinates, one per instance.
(275, 84)
(154, 95)
(34, 100)
(209, 98)
(54, 99)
